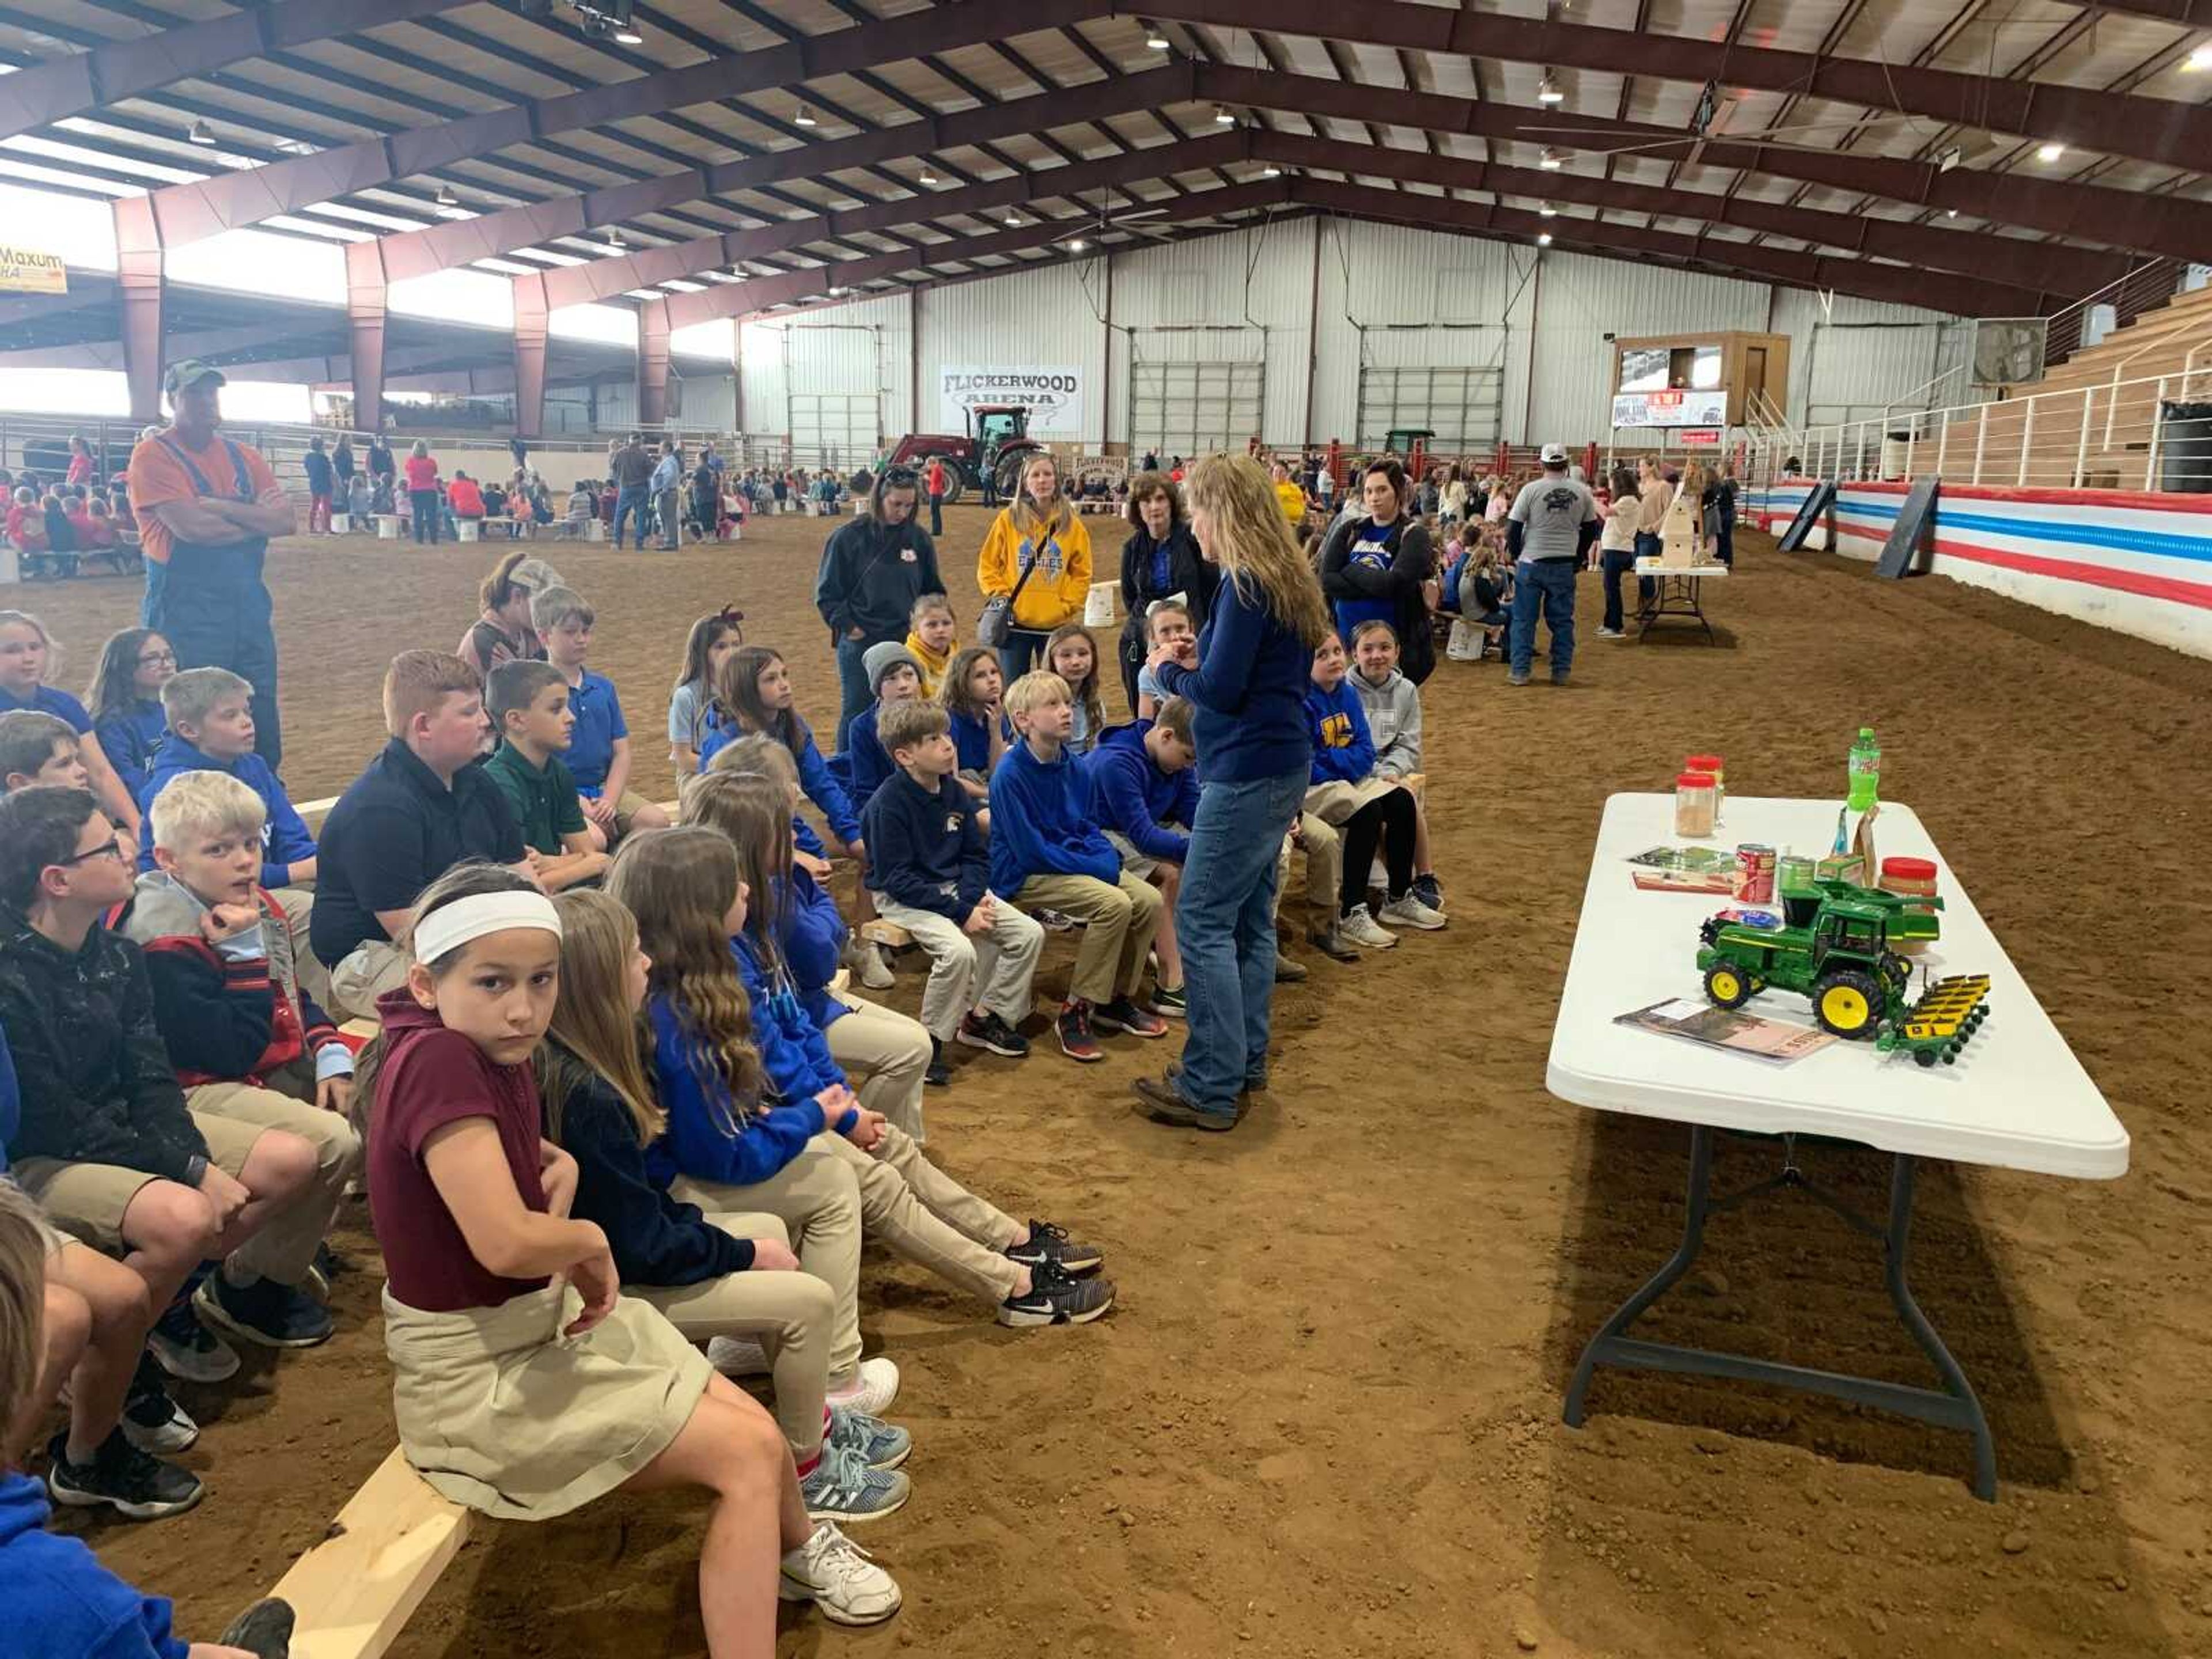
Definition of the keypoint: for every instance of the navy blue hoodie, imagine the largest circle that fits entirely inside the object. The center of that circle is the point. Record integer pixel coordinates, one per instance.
(926, 851)
(1250, 688)
(1133, 796)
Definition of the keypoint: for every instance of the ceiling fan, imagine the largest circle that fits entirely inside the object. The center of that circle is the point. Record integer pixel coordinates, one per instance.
(1711, 105)
(1130, 218)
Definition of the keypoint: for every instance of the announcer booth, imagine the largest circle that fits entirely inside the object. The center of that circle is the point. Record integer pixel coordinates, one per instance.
(1689, 390)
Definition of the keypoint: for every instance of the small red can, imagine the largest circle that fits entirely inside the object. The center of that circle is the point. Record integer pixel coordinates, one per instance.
(1754, 873)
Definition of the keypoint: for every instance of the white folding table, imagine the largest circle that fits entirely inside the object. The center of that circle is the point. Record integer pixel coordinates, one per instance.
(2017, 1098)
(1676, 592)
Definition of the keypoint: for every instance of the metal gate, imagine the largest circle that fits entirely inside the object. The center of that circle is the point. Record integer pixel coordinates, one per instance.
(1195, 408)
(1463, 407)
(842, 430)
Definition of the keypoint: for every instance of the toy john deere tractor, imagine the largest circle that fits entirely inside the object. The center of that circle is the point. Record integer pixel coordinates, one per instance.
(1835, 949)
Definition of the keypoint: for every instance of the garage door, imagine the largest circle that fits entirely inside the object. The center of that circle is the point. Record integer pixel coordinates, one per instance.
(1195, 408)
(835, 429)
(1463, 406)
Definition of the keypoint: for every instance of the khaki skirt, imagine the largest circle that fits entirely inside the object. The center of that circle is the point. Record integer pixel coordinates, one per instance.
(500, 1413)
(1336, 801)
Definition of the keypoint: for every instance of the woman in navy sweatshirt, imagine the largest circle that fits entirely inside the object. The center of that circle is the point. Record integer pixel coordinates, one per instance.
(1254, 759)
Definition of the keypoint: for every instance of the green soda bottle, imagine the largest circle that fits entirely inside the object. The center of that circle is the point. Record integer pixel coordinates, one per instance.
(1865, 770)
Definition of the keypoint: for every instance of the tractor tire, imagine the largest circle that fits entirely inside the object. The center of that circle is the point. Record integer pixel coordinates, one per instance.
(1008, 472)
(1848, 1004)
(955, 480)
(1728, 986)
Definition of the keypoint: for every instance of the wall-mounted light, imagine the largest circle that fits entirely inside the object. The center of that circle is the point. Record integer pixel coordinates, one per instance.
(201, 133)
(1549, 91)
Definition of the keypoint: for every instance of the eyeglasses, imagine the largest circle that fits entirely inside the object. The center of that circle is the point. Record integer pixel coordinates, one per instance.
(152, 659)
(110, 848)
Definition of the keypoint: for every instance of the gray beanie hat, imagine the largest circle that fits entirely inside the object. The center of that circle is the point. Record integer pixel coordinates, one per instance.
(881, 659)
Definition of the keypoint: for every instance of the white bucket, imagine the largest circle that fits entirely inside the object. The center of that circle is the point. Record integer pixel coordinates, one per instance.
(468, 529)
(388, 526)
(341, 523)
(595, 530)
(1098, 606)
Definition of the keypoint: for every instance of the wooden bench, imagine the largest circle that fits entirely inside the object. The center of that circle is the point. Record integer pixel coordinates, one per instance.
(354, 1592)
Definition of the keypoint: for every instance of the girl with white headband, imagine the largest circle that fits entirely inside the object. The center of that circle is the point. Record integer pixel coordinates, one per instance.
(527, 1385)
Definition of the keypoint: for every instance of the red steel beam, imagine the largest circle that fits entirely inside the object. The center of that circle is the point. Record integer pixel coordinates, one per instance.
(440, 247)
(85, 81)
(2171, 225)
(204, 208)
(2148, 129)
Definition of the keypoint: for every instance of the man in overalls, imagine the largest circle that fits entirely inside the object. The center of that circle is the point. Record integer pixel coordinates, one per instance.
(207, 506)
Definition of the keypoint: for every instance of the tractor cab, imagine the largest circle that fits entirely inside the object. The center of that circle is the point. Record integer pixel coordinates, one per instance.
(1854, 931)
(995, 427)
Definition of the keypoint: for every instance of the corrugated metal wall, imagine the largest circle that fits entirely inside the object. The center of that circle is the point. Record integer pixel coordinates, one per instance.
(1860, 358)
(1039, 316)
(1580, 300)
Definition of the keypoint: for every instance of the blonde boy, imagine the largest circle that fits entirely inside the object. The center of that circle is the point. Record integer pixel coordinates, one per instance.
(419, 808)
(528, 702)
(245, 1039)
(597, 756)
(36, 747)
(1047, 854)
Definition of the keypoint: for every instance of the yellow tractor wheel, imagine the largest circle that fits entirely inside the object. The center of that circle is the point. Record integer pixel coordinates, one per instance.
(1726, 986)
(1849, 1005)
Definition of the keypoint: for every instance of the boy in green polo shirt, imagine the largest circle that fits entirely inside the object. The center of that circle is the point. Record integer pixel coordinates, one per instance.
(528, 702)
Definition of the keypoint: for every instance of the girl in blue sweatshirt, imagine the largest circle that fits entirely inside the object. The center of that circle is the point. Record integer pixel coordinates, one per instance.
(1371, 811)
(752, 693)
(125, 701)
(756, 1102)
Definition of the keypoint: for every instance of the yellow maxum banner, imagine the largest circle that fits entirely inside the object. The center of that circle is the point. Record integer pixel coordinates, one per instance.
(27, 271)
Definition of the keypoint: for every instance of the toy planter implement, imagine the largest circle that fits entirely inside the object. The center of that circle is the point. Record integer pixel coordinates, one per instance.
(1834, 949)
(1941, 1023)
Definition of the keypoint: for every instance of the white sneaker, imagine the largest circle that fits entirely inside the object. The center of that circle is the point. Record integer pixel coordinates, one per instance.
(875, 1384)
(837, 1575)
(1612, 633)
(1360, 928)
(737, 1356)
(1410, 911)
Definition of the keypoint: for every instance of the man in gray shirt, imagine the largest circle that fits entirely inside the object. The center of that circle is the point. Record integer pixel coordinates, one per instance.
(667, 475)
(1552, 523)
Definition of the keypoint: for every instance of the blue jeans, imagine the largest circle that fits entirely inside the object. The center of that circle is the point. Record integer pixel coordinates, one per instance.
(1225, 925)
(854, 695)
(1020, 652)
(628, 502)
(1648, 545)
(1549, 583)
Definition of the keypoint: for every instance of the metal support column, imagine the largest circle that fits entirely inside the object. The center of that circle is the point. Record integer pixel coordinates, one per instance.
(652, 332)
(367, 293)
(144, 288)
(531, 314)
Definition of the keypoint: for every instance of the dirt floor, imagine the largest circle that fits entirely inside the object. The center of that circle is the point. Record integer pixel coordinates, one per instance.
(1325, 1418)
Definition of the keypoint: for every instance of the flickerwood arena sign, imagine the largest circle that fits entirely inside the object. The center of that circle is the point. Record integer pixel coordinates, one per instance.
(1052, 393)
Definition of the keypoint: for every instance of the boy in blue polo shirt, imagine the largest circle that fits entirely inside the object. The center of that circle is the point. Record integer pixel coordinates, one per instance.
(210, 714)
(598, 747)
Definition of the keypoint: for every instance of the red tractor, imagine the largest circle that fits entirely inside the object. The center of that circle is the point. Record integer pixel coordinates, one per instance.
(997, 443)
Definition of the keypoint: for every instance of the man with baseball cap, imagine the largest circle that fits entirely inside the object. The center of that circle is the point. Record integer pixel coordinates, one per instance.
(207, 506)
(1552, 523)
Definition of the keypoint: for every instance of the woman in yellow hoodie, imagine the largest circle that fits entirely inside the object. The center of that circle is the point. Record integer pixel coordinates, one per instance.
(1040, 530)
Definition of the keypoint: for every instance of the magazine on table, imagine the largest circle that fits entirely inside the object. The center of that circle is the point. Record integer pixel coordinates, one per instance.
(1728, 1028)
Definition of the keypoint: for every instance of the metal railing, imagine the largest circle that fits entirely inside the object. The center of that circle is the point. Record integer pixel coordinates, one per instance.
(2147, 287)
(2119, 435)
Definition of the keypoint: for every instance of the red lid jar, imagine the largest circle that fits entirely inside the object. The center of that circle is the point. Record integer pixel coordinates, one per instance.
(1912, 878)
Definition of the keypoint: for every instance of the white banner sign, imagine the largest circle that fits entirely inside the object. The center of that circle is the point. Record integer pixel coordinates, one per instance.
(1670, 408)
(1053, 393)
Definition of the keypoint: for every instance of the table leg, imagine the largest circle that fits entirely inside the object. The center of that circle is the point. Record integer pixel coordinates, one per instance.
(1955, 1406)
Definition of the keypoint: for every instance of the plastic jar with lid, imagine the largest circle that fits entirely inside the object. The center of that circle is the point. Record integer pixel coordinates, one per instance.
(1909, 878)
(1713, 765)
(1696, 803)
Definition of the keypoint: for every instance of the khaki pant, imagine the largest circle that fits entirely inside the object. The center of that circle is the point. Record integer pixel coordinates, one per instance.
(372, 968)
(299, 906)
(1002, 961)
(926, 1215)
(817, 1199)
(285, 1249)
(1324, 850)
(789, 1314)
(883, 1053)
(1120, 919)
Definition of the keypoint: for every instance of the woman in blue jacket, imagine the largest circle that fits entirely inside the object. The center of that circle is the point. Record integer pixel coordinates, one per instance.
(1247, 674)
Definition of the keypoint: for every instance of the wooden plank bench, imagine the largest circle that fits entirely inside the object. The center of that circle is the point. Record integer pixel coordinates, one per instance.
(354, 1592)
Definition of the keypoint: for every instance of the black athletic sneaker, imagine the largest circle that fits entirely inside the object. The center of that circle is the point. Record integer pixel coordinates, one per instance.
(265, 1313)
(263, 1630)
(187, 1350)
(122, 1477)
(1049, 1246)
(1074, 1029)
(1054, 1299)
(1122, 1014)
(152, 1421)
(938, 1073)
(989, 1031)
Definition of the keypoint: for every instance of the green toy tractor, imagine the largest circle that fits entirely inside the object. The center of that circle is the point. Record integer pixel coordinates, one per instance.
(1834, 949)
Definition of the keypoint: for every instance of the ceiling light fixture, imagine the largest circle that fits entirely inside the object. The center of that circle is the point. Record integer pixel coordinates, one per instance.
(2199, 59)
(1548, 212)
(1950, 159)
(1950, 213)
(625, 35)
(739, 273)
(928, 174)
(201, 133)
(1552, 160)
(806, 118)
(1077, 244)
(1544, 239)
(2049, 153)
(1271, 170)
(615, 239)
(1156, 41)
(446, 198)
(1548, 91)
(1222, 117)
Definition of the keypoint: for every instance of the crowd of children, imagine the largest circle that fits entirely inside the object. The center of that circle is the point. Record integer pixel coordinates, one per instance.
(622, 1130)
(59, 526)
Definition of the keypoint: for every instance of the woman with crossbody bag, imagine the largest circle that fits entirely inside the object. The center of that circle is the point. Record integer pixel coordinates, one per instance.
(1034, 569)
